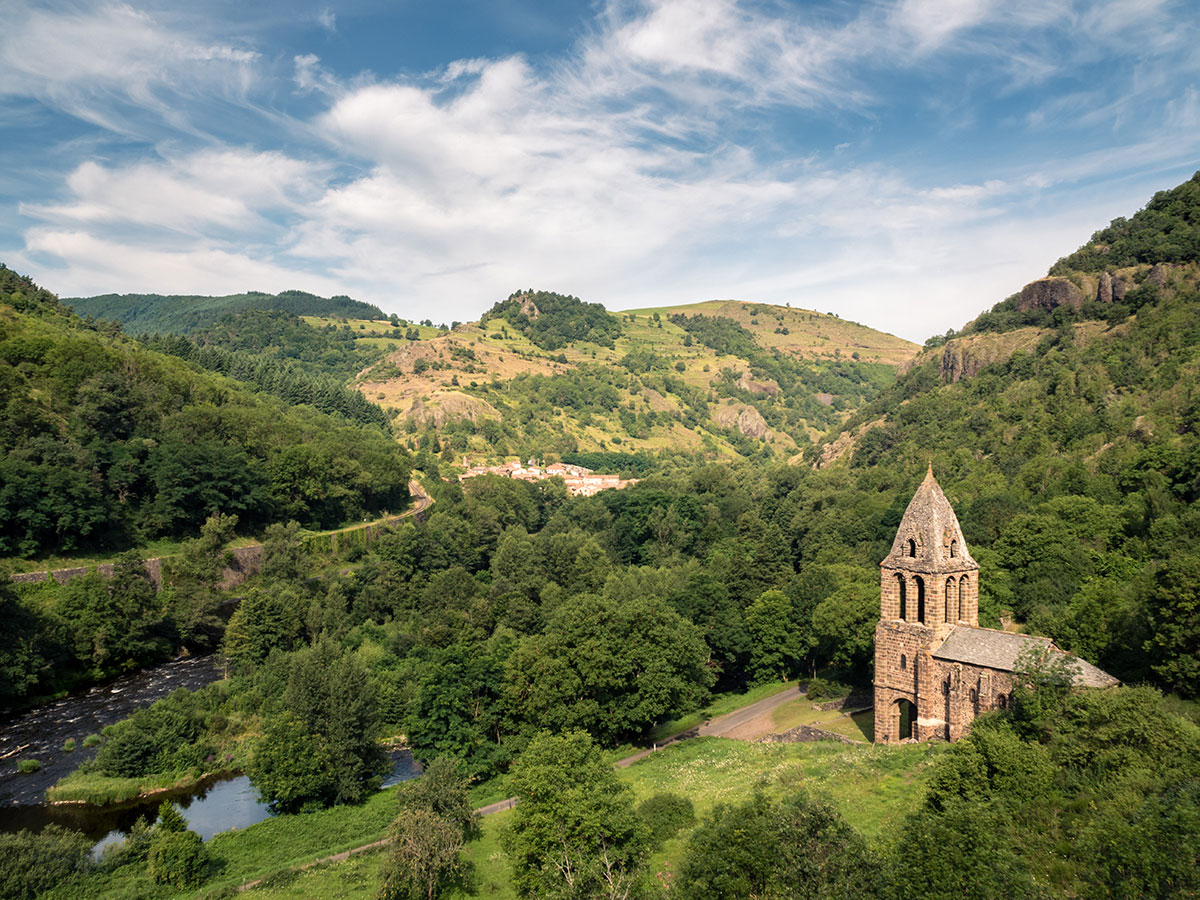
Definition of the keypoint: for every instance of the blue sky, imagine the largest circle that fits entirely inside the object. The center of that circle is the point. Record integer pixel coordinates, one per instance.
(903, 164)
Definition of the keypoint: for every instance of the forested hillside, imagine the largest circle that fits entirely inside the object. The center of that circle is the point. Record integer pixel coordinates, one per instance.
(1068, 437)
(107, 444)
(182, 314)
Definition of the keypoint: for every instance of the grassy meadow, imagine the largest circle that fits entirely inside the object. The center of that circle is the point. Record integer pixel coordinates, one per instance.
(873, 787)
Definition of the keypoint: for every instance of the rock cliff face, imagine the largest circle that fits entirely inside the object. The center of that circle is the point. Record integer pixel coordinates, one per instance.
(1110, 289)
(451, 406)
(964, 357)
(1050, 293)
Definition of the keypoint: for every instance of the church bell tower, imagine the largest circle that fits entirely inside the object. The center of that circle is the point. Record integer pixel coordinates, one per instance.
(929, 583)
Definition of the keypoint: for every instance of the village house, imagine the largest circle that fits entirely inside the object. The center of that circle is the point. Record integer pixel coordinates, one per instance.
(579, 481)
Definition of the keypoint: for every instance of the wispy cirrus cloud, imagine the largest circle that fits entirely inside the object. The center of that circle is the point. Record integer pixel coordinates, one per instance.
(111, 64)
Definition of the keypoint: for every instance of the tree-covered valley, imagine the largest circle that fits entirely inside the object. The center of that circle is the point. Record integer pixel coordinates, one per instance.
(517, 637)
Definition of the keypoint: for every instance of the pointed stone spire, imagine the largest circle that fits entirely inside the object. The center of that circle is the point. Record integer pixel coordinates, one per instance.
(929, 538)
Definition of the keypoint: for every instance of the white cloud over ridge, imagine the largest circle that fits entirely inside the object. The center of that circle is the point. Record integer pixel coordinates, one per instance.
(646, 166)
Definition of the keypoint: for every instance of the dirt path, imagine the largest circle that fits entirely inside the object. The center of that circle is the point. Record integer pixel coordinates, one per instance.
(247, 556)
(745, 724)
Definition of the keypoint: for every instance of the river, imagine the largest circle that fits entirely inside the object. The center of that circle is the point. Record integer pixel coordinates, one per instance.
(217, 805)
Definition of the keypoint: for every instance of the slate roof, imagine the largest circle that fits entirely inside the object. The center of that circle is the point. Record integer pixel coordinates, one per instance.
(999, 650)
(930, 519)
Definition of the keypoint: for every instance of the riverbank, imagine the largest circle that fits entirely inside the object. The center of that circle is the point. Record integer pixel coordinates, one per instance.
(81, 789)
(46, 731)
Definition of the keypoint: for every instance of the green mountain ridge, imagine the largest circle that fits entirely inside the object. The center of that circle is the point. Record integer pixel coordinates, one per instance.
(718, 380)
(185, 313)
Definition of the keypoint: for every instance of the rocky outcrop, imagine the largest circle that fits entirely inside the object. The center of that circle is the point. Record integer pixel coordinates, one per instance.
(768, 386)
(451, 406)
(845, 443)
(802, 734)
(529, 308)
(1111, 288)
(1050, 293)
(964, 357)
(1157, 275)
(744, 418)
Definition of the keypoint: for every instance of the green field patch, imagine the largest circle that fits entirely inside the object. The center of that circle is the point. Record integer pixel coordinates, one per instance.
(802, 711)
(872, 786)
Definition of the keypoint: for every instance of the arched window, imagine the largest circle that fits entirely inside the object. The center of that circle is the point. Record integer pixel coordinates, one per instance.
(962, 596)
(974, 697)
(903, 597)
(1002, 701)
(951, 599)
(920, 598)
(953, 549)
(903, 663)
(912, 548)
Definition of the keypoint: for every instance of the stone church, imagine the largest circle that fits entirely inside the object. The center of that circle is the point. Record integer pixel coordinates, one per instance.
(935, 668)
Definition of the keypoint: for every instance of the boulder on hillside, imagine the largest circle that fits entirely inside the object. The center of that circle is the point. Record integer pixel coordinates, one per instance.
(1112, 288)
(1050, 293)
(768, 386)
(745, 418)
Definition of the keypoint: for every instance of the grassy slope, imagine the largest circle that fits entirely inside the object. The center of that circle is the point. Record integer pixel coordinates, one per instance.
(461, 361)
(873, 787)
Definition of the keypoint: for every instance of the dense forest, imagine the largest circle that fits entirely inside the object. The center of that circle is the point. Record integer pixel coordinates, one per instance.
(107, 443)
(553, 320)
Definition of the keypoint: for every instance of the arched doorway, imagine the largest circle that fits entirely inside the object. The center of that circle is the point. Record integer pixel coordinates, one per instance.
(907, 712)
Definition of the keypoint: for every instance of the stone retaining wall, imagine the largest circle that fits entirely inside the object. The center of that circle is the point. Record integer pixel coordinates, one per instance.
(245, 562)
(853, 700)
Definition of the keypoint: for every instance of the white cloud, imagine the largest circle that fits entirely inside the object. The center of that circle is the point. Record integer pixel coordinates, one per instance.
(931, 22)
(98, 265)
(92, 61)
(228, 189)
(632, 171)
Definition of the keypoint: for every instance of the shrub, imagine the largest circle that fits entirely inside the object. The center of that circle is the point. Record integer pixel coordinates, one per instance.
(823, 689)
(170, 818)
(666, 815)
(33, 863)
(69, 745)
(135, 847)
(28, 766)
(156, 739)
(91, 740)
(178, 858)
